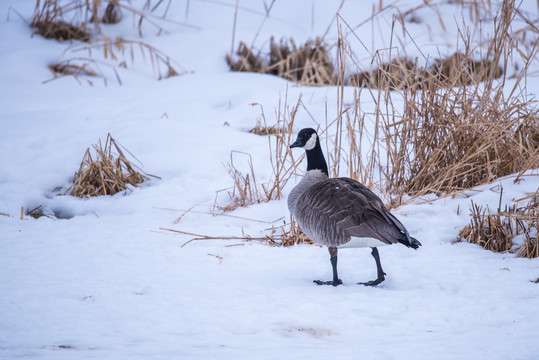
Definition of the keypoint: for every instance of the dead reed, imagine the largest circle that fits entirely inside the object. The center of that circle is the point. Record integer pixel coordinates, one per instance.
(491, 231)
(117, 53)
(246, 189)
(288, 235)
(497, 231)
(80, 69)
(456, 133)
(285, 235)
(107, 174)
(61, 31)
(528, 220)
(457, 138)
(36, 212)
(246, 60)
(264, 130)
(308, 64)
(456, 70)
(81, 19)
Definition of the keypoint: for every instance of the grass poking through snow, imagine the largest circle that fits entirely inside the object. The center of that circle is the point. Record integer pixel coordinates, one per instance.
(106, 173)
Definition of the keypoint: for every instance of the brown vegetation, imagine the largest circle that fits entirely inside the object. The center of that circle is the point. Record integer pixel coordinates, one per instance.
(497, 231)
(80, 20)
(456, 70)
(109, 173)
(308, 64)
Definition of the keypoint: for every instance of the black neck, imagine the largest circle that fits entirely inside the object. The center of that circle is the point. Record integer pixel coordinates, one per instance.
(316, 160)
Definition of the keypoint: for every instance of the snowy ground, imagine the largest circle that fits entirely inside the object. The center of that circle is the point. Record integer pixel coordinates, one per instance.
(107, 283)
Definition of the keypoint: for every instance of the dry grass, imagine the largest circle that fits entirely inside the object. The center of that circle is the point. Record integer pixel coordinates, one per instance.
(288, 235)
(528, 219)
(107, 174)
(308, 64)
(36, 212)
(265, 130)
(117, 53)
(80, 20)
(491, 231)
(80, 69)
(456, 133)
(246, 60)
(285, 235)
(246, 189)
(61, 31)
(452, 139)
(497, 231)
(456, 70)
(50, 21)
(397, 74)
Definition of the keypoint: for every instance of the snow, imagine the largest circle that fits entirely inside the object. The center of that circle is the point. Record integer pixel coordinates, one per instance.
(105, 282)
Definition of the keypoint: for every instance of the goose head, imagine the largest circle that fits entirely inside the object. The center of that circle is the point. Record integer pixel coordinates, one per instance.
(308, 140)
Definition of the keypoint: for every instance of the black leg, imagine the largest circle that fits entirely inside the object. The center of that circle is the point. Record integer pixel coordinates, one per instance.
(336, 281)
(381, 272)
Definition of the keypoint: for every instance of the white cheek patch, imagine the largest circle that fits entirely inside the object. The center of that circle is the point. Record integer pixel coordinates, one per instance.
(311, 143)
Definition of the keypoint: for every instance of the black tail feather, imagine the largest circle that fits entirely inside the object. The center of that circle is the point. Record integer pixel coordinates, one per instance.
(409, 241)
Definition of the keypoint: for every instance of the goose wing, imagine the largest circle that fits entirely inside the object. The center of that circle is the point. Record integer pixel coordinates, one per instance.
(350, 209)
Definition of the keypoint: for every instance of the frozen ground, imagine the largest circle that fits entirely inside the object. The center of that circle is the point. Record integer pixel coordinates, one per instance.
(106, 283)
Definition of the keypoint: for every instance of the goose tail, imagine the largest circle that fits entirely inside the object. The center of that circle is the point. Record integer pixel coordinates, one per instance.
(409, 241)
(405, 238)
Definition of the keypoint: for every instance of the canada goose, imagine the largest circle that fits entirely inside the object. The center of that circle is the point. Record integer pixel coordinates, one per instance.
(341, 212)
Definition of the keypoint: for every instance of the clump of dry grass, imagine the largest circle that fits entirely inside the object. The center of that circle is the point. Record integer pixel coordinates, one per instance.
(246, 60)
(497, 231)
(456, 70)
(491, 231)
(61, 31)
(36, 212)
(262, 129)
(397, 74)
(62, 21)
(308, 64)
(81, 19)
(460, 69)
(528, 220)
(107, 174)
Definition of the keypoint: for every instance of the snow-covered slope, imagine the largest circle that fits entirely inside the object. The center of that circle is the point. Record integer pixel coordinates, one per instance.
(106, 283)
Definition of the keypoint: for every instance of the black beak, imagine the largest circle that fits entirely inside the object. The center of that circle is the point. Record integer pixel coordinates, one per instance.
(297, 143)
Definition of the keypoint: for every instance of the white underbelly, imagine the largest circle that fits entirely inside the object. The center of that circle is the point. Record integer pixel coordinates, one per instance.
(359, 242)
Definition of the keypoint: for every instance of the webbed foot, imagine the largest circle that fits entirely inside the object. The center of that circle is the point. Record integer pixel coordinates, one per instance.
(373, 282)
(334, 283)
